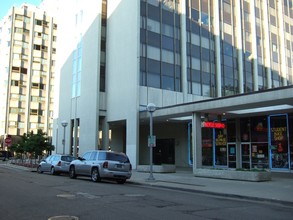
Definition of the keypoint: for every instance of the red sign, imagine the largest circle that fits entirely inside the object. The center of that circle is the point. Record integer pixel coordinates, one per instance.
(8, 140)
(210, 124)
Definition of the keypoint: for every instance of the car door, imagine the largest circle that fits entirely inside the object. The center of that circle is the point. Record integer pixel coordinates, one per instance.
(89, 163)
(65, 161)
(82, 167)
(46, 166)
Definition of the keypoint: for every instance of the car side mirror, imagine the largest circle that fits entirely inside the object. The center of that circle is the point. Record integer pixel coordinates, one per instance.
(80, 158)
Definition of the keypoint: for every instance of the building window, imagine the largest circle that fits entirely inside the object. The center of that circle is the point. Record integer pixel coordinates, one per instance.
(38, 22)
(160, 45)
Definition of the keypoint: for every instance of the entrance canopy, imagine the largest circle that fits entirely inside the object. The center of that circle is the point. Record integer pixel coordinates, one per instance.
(272, 101)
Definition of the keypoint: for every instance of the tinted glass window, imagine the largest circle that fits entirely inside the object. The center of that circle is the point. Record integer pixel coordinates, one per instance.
(167, 43)
(154, 39)
(87, 155)
(55, 158)
(153, 66)
(93, 155)
(102, 156)
(154, 12)
(67, 158)
(113, 156)
(49, 158)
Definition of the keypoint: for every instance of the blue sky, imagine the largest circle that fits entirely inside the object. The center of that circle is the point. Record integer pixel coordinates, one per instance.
(7, 4)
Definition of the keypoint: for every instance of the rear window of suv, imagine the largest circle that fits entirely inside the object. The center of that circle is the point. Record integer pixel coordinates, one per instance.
(113, 156)
(67, 158)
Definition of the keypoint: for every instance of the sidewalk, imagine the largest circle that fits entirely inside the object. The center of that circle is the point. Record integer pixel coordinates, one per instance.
(279, 189)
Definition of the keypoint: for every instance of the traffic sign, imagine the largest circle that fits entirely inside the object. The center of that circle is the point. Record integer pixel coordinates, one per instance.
(8, 141)
(152, 141)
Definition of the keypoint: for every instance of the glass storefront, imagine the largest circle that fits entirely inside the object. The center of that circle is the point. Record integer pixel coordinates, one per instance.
(279, 142)
(265, 142)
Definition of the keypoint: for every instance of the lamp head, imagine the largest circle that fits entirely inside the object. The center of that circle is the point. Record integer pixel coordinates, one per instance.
(151, 107)
(64, 123)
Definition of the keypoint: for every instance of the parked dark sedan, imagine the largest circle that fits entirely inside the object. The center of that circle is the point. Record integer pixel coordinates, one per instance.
(55, 164)
(101, 164)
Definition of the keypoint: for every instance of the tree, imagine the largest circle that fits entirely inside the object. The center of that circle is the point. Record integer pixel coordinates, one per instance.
(19, 147)
(35, 144)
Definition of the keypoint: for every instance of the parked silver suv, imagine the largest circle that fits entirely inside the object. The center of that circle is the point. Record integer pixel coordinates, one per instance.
(101, 164)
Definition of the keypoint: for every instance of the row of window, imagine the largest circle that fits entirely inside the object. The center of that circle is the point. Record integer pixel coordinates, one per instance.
(38, 112)
(27, 20)
(23, 83)
(154, 43)
(21, 125)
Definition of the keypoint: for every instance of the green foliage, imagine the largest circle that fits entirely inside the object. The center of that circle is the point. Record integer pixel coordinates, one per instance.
(35, 144)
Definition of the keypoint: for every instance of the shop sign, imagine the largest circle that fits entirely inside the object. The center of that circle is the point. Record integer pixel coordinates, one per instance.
(278, 133)
(210, 124)
(221, 140)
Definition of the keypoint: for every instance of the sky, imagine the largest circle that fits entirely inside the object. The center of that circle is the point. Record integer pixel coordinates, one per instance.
(7, 4)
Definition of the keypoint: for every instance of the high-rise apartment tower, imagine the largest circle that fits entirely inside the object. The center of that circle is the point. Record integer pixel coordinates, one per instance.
(27, 69)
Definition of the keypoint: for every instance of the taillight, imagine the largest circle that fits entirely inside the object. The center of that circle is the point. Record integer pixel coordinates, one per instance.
(59, 164)
(105, 164)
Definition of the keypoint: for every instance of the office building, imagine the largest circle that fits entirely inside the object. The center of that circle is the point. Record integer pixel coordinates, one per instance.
(28, 55)
(218, 71)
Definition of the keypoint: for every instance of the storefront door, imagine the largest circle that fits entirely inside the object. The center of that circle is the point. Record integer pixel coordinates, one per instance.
(245, 156)
(279, 142)
(231, 155)
(221, 149)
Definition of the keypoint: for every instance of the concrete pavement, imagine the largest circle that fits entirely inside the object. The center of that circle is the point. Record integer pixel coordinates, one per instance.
(279, 189)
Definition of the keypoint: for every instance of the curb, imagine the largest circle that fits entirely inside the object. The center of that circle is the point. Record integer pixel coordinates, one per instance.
(236, 196)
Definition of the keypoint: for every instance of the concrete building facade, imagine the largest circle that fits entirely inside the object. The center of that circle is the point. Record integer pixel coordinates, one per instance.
(28, 55)
(218, 71)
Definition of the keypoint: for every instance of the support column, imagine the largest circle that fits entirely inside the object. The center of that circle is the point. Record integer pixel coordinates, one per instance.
(75, 138)
(254, 47)
(238, 144)
(266, 34)
(184, 82)
(239, 46)
(216, 33)
(282, 43)
(132, 137)
(105, 134)
(196, 141)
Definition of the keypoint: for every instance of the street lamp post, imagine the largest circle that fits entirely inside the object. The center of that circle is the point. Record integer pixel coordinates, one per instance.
(151, 140)
(64, 124)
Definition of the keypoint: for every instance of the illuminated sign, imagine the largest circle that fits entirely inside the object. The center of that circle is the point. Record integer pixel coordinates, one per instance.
(210, 124)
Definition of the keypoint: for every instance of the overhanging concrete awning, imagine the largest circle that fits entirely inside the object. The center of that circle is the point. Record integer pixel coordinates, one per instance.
(272, 101)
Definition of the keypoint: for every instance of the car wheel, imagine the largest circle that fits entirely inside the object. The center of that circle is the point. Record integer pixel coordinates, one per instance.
(121, 181)
(72, 173)
(39, 169)
(52, 171)
(95, 175)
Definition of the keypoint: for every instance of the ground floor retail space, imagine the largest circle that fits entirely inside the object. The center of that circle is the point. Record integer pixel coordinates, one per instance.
(259, 142)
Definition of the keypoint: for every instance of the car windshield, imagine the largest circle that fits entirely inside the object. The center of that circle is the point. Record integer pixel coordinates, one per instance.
(67, 158)
(113, 156)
